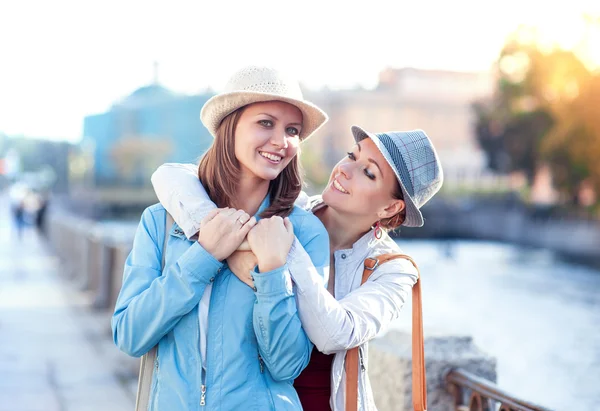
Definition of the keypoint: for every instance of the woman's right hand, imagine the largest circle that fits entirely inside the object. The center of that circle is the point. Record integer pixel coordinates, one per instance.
(223, 230)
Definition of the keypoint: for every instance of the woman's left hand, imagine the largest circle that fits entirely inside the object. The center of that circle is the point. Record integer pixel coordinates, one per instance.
(270, 240)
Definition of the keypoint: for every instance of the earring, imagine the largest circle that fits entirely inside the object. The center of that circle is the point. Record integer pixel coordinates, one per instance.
(378, 232)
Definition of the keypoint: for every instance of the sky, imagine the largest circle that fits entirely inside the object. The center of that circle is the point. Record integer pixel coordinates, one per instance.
(62, 60)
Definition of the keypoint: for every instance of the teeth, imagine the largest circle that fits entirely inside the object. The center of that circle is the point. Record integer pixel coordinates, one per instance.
(272, 157)
(339, 186)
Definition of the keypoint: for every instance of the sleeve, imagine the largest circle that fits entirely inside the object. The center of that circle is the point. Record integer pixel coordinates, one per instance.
(180, 192)
(151, 303)
(361, 315)
(283, 345)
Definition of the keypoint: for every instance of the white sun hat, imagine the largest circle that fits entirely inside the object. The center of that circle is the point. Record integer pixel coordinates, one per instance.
(254, 84)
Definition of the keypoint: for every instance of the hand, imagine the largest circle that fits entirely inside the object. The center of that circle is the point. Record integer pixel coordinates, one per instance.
(223, 230)
(271, 240)
(244, 246)
(241, 263)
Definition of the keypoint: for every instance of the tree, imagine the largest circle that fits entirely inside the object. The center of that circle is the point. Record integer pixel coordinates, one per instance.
(545, 110)
(573, 146)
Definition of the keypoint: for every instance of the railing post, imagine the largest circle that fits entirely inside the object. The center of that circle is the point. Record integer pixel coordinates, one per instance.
(390, 370)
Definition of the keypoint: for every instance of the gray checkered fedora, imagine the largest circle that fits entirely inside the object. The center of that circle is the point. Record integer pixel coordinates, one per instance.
(415, 163)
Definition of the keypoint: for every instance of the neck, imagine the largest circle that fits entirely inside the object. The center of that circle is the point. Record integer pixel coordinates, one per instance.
(251, 193)
(343, 230)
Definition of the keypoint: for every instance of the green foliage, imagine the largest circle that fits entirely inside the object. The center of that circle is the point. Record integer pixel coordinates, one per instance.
(545, 110)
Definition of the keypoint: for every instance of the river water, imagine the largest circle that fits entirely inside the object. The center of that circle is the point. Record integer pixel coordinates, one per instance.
(538, 315)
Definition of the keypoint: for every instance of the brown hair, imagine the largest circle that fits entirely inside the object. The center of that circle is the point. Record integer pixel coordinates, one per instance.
(395, 221)
(219, 171)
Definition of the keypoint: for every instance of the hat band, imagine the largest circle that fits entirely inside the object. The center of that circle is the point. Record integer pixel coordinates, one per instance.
(399, 163)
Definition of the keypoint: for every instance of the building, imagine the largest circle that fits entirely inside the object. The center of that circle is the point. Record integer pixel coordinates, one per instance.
(153, 125)
(436, 101)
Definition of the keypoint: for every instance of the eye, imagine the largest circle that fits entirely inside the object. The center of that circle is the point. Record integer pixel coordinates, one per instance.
(266, 123)
(368, 174)
(351, 156)
(292, 131)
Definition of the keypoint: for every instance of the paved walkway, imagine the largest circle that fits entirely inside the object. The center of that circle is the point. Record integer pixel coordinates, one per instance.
(55, 353)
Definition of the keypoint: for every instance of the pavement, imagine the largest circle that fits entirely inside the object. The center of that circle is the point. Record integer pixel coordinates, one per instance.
(56, 353)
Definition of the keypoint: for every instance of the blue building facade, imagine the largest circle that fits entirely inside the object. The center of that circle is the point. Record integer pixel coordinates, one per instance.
(151, 126)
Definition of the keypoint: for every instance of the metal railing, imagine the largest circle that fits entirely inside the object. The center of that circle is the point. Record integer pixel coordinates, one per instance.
(472, 393)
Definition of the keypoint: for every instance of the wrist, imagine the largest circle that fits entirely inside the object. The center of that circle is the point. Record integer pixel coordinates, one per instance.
(270, 264)
(216, 255)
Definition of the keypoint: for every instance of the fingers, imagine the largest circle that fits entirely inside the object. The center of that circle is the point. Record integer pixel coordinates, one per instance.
(288, 225)
(245, 229)
(234, 217)
(245, 246)
(211, 214)
(241, 217)
(228, 211)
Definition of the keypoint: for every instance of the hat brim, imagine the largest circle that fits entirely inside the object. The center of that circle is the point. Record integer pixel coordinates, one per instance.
(220, 106)
(414, 217)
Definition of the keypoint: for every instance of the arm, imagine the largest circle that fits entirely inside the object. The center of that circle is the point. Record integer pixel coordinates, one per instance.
(180, 192)
(283, 344)
(150, 302)
(357, 318)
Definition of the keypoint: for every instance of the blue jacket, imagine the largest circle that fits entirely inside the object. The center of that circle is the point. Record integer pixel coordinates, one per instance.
(256, 346)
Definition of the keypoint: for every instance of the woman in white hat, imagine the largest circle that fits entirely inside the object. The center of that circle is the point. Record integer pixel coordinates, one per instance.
(379, 186)
(222, 345)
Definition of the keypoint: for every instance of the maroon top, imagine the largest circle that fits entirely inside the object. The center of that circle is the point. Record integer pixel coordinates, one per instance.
(314, 383)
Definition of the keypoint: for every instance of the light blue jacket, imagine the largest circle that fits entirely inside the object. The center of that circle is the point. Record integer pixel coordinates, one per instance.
(256, 346)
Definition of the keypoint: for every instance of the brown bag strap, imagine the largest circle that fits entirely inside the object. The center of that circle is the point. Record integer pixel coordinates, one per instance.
(419, 381)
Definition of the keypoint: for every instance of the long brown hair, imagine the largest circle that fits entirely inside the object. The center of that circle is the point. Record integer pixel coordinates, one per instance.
(219, 171)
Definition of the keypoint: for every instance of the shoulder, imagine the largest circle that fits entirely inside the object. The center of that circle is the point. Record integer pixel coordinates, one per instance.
(155, 211)
(397, 266)
(308, 228)
(153, 217)
(304, 220)
(308, 203)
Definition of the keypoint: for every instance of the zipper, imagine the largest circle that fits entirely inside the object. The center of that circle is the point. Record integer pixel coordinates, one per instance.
(362, 362)
(202, 385)
(202, 395)
(260, 362)
(262, 371)
(204, 370)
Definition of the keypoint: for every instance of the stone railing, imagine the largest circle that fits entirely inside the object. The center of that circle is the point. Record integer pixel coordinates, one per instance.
(472, 393)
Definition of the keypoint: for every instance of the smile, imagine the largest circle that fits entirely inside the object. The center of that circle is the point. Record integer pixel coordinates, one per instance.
(274, 158)
(338, 187)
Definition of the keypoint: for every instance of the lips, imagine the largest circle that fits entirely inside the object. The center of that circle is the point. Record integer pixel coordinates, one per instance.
(336, 185)
(274, 158)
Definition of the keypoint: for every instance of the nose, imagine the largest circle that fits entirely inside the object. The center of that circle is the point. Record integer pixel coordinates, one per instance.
(346, 170)
(279, 138)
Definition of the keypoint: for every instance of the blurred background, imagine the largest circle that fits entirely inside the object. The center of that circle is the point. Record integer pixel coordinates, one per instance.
(94, 96)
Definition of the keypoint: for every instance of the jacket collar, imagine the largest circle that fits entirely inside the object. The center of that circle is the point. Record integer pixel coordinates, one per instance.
(360, 247)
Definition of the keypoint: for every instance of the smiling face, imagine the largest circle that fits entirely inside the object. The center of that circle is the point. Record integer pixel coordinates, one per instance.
(267, 138)
(363, 184)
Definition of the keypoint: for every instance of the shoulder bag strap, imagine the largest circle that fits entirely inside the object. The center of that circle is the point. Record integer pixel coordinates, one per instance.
(142, 399)
(419, 382)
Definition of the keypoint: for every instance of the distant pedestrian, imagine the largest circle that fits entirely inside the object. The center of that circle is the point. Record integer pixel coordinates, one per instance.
(40, 216)
(19, 217)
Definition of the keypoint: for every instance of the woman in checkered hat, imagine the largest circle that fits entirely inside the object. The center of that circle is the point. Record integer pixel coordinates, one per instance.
(379, 186)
